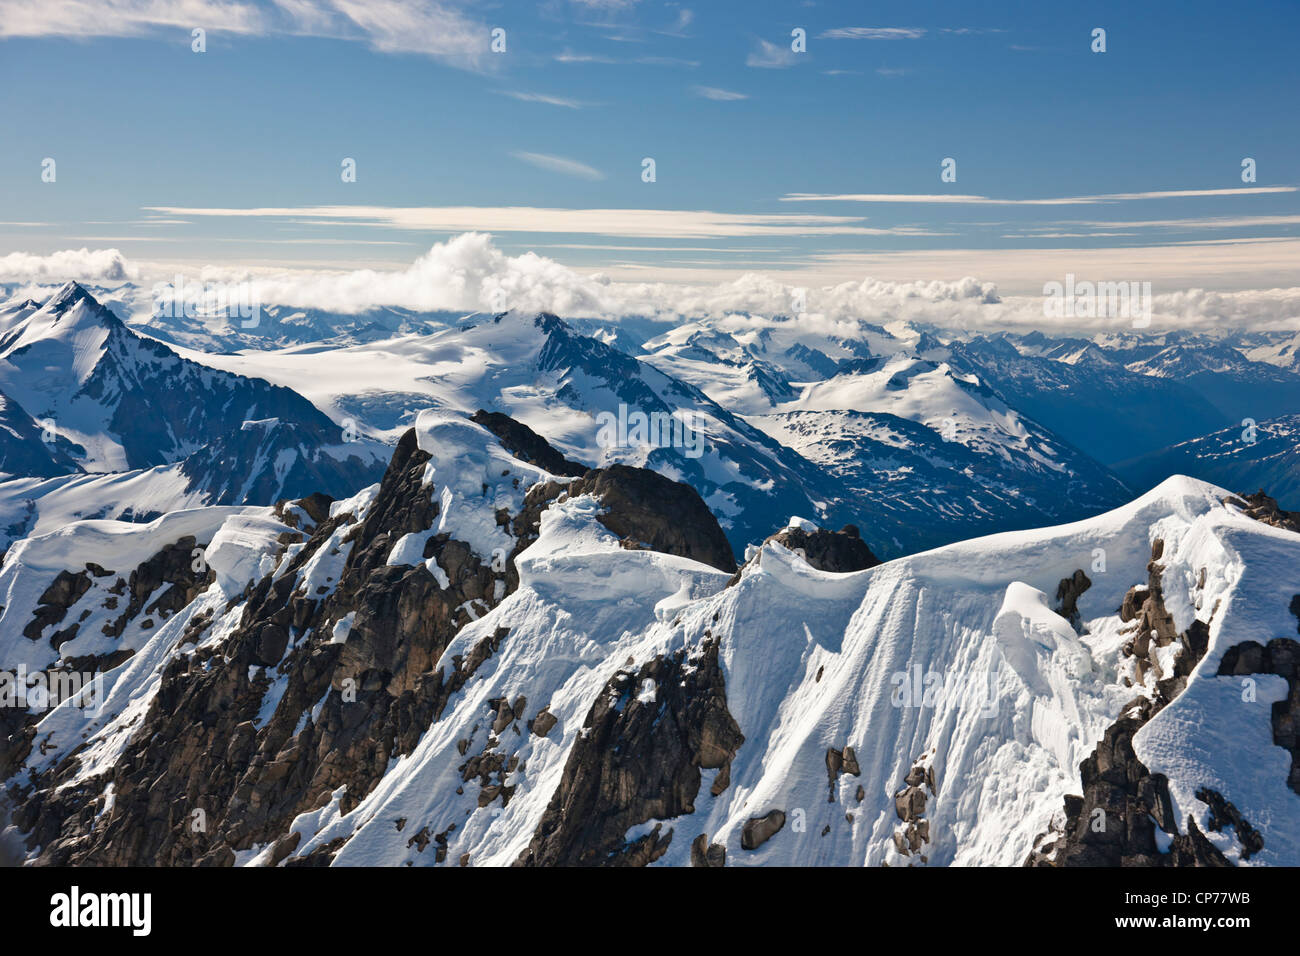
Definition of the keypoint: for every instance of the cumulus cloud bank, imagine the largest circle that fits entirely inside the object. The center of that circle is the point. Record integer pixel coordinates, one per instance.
(89, 265)
(470, 274)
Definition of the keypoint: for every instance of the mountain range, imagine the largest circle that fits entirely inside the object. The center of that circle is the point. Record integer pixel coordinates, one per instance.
(516, 589)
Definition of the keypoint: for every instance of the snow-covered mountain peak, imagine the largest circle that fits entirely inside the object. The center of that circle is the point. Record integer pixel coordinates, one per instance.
(71, 326)
(67, 295)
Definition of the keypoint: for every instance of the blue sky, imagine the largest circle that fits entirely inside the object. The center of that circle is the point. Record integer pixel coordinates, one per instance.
(151, 138)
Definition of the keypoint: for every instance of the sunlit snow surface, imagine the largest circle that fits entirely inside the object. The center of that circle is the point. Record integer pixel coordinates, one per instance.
(586, 607)
(811, 660)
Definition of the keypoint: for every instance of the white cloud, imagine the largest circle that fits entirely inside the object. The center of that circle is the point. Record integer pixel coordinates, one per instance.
(771, 56)
(469, 273)
(873, 33)
(639, 223)
(968, 200)
(568, 56)
(714, 93)
(685, 18)
(103, 265)
(544, 98)
(1214, 222)
(559, 164)
(427, 27)
(418, 26)
(124, 18)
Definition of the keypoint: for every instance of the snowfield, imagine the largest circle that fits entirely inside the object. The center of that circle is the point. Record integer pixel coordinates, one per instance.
(931, 710)
(952, 661)
(815, 660)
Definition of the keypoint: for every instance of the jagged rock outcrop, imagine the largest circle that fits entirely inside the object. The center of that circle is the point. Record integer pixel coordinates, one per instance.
(53, 604)
(647, 510)
(758, 830)
(319, 687)
(173, 565)
(1114, 822)
(706, 854)
(838, 762)
(643, 745)
(1068, 592)
(1263, 508)
(206, 745)
(842, 550)
(1281, 656)
(158, 587)
(912, 835)
(526, 445)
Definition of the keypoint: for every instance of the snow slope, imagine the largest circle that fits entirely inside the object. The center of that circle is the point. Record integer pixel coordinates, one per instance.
(119, 547)
(952, 661)
(815, 660)
(539, 371)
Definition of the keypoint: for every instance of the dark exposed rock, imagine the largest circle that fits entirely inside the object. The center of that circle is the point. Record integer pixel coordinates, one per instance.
(1114, 822)
(647, 848)
(346, 709)
(826, 550)
(543, 723)
(53, 604)
(637, 760)
(1281, 656)
(526, 445)
(317, 506)
(1068, 593)
(837, 762)
(758, 830)
(199, 746)
(1263, 508)
(175, 565)
(910, 804)
(704, 853)
(1223, 814)
(647, 510)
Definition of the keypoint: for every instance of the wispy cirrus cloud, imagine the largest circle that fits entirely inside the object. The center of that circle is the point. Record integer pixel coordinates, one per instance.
(127, 18)
(639, 223)
(1213, 222)
(433, 28)
(568, 56)
(968, 200)
(771, 56)
(715, 93)
(559, 164)
(872, 33)
(685, 17)
(544, 98)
